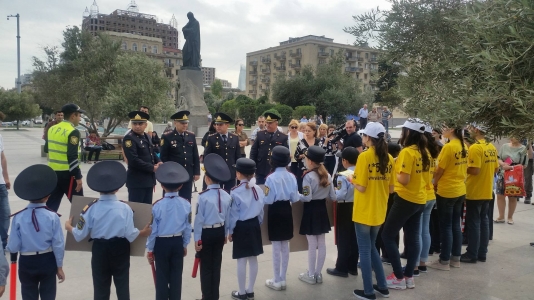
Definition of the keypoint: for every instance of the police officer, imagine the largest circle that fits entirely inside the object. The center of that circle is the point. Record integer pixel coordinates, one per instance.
(171, 231)
(264, 143)
(180, 146)
(226, 145)
(211, 224)
(142, 162)
(37, 234)
(62, 144)
(110, 224)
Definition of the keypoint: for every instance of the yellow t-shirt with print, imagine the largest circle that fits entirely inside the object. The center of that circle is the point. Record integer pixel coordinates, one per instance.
(370, 207)
(410, 162)
(482, 155)
(452, 182)
(430, 194)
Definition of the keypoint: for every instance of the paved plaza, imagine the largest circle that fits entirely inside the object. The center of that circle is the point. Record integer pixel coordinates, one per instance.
(507, 274)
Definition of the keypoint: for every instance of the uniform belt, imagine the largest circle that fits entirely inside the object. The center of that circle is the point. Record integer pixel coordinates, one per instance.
(213, 226)
(37, 252)
(170, 235)
(345, 201)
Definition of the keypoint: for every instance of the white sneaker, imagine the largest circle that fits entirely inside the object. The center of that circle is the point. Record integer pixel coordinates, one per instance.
(273, 285)
(307, 278)
(410, 282)
(283, 284)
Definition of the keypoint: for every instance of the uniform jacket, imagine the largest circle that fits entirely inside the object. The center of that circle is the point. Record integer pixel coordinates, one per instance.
(141, 160)
(261, 149)
(183, 151)
(229, 151)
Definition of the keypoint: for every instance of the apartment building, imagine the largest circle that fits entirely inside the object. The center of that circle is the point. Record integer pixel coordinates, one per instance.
(290, 56)
(208, 75)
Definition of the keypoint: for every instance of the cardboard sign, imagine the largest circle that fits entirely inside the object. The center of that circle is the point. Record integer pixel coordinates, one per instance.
(298, 242)
(264, 226)
(142, 216)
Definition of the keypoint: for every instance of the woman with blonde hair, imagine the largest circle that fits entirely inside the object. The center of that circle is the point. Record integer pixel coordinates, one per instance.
(293, 138)
(309, 140)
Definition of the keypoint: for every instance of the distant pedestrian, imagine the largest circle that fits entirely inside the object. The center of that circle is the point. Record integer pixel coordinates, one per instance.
(303, 119)
(386, 116)
(5, 185)
(363, 113)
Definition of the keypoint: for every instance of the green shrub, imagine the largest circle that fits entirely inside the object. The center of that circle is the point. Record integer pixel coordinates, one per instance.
(305, 110)
(286, 112)
(261, 108)
(248, 114)
(229, 107)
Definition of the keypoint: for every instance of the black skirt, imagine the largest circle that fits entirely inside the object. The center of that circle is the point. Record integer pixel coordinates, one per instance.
(247, 239)
(314, 218)
(280, 221)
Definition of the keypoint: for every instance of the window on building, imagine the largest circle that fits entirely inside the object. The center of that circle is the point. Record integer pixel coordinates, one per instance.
(331, 52)
(365, 76)
(144, 48)
(155, 49)
(134, 46)
(124, 46)
(366, 66)
(299, 51)
(366, 55)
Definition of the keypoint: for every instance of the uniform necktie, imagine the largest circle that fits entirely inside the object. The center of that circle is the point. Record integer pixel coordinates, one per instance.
(224, 138)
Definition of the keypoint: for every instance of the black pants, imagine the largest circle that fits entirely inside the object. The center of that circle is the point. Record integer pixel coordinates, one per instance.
(227, 185)
(37, 274)
(363, 123)
(347, 246)
(260, 179)
(185, 191)
(476, 220)
(92, 150)
(490, 215)
(330, 164)
(435, 243)
(141, 195)
(297, 171)
(62, 188)
(111, 259)
(169, 258)
(379, 242)
(210, 262)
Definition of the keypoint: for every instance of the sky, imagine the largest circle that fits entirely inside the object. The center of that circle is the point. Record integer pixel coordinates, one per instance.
(229, 28)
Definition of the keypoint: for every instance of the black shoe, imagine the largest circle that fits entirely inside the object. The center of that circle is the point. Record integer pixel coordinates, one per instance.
(403, 255)
(422, 269)
(466, 259)
(250, 296)
(527, 200)
(385, 260)
(335, 272)
(235, 295)
(355, 272)
(383, 293)
(361, 295)
(481, 259)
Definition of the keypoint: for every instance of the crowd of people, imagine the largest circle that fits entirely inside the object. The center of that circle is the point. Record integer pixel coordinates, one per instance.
(419, 185)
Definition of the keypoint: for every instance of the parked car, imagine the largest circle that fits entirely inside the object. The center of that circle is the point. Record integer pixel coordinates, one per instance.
(25, 123)
(7, 124)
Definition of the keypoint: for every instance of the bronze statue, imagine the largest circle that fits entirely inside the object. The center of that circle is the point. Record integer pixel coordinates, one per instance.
(191, 49)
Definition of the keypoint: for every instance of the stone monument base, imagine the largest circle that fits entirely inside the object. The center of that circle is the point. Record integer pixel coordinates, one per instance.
(191, 98)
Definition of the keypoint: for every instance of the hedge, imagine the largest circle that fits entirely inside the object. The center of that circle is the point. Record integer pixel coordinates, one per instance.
(286, 112)
(305, 110)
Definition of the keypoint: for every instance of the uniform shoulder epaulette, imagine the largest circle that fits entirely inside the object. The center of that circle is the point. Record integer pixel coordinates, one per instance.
(235, 187)
(213, 134)
(165, 133)
(190, 132)
(18, 212)
(203, 191)
(157, 201)
(84, 210)
(50, 210)
(270, 175)
(232, 133)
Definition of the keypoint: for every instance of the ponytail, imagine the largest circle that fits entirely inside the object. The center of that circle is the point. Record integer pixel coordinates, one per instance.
(458, 132)
(411, 137)
(323, 175)
(381, 149)
(248, 177)
(432, 146)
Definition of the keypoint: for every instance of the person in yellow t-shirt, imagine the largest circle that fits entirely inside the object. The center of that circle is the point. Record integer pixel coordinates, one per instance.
(373, 180)
(449, 182)
(409, 203)
(482, 165)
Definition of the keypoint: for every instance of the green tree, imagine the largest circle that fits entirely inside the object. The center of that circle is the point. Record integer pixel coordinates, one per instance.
(305, 110)
(247, 112)
(230, 108)
(261, 108)
(18, 107)
(286, 112)
(230, 96)
(217, 88)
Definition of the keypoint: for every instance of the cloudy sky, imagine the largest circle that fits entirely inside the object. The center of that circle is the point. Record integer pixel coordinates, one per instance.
(229, 28)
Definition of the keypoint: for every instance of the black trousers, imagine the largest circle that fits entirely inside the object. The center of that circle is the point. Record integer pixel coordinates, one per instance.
(37, 274)
(141, 195)
(295, 169)
(330, 164)
(111, 259)
(210, 262)
(490, 215)
(169, 258)
(92, 150)
(363, 123)
(260, 179)
(347, 246)
(228, 185)
(62, 188)
(379, 242)
(185, 191)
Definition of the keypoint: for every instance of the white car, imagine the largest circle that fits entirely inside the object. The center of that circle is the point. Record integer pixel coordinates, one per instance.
(25, 123)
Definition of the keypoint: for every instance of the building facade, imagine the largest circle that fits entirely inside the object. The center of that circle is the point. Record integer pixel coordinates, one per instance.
(208, 75)
(225, 83)
(242, 85)
(290, 56)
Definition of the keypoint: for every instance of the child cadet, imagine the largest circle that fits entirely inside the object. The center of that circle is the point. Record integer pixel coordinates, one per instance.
(210, 224)
(246, 215)
(110, 224)
(347, 247)
(36, 233)
(171, 231)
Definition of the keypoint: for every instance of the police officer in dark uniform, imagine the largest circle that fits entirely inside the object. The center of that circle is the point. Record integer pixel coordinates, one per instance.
(180, 146)
(265, 141)
(142, 162)
(226, 145)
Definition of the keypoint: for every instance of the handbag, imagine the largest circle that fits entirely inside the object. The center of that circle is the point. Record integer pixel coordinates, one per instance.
(514, 184)
(107, 146)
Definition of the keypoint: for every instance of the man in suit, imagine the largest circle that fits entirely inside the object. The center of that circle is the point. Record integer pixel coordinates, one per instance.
(180, 145)
(226, 145)
(264, 143)
(142, 162)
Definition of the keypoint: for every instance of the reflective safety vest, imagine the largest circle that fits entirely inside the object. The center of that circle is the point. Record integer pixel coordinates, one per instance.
(58, 138)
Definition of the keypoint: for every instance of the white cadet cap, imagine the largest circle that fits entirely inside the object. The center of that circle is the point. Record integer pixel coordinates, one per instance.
(428, 128)
(481, 127)
(415, 125)
(373, 129)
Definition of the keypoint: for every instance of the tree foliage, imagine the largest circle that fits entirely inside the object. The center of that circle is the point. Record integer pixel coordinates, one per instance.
(286, 112)
(101, 78)
(18, 107)
(305, 110)
(217, 88)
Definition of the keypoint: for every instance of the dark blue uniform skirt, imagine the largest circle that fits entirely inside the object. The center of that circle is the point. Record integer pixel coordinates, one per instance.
(280, 221)
(247, 239)
(314, 218)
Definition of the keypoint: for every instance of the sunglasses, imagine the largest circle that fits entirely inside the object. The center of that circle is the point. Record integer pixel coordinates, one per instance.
(240, 124)
(294, 127)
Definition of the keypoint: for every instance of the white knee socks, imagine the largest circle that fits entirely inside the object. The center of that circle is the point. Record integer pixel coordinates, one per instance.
(285, 260)
(316, 258)
(280, 252)
(252, 273)
(242, 273)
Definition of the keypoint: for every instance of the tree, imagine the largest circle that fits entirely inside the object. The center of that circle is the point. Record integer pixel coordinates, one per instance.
(230, 108)
(286, 112)
(230, 96)
(261, 108)
(18, 107)
(216, 88)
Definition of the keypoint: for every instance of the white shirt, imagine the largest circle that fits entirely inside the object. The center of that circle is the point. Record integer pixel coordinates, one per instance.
(2, 181)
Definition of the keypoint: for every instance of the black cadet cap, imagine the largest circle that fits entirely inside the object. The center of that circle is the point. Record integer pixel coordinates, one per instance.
(316, 154)
(216, 167)
(280, 156)
(222, 118)
(106, 176)
(171, 173)
(181, 116)
(271, 117)
(35, 182)
(70, 108)
(138, 116)
(245, 165)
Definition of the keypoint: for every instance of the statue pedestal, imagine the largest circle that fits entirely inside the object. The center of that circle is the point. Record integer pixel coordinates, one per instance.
(191, 98)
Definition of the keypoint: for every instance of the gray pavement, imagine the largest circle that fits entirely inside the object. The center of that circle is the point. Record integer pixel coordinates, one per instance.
(507, 274)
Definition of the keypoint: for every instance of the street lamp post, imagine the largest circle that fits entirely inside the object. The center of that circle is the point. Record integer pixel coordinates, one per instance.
(19, 83)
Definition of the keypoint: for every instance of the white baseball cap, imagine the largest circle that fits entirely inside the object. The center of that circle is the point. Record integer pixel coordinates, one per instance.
(480, 126)
(373, 129)
(415, 124)
(428, 128)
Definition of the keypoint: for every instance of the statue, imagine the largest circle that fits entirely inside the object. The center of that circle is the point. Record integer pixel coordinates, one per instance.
(191, 49)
